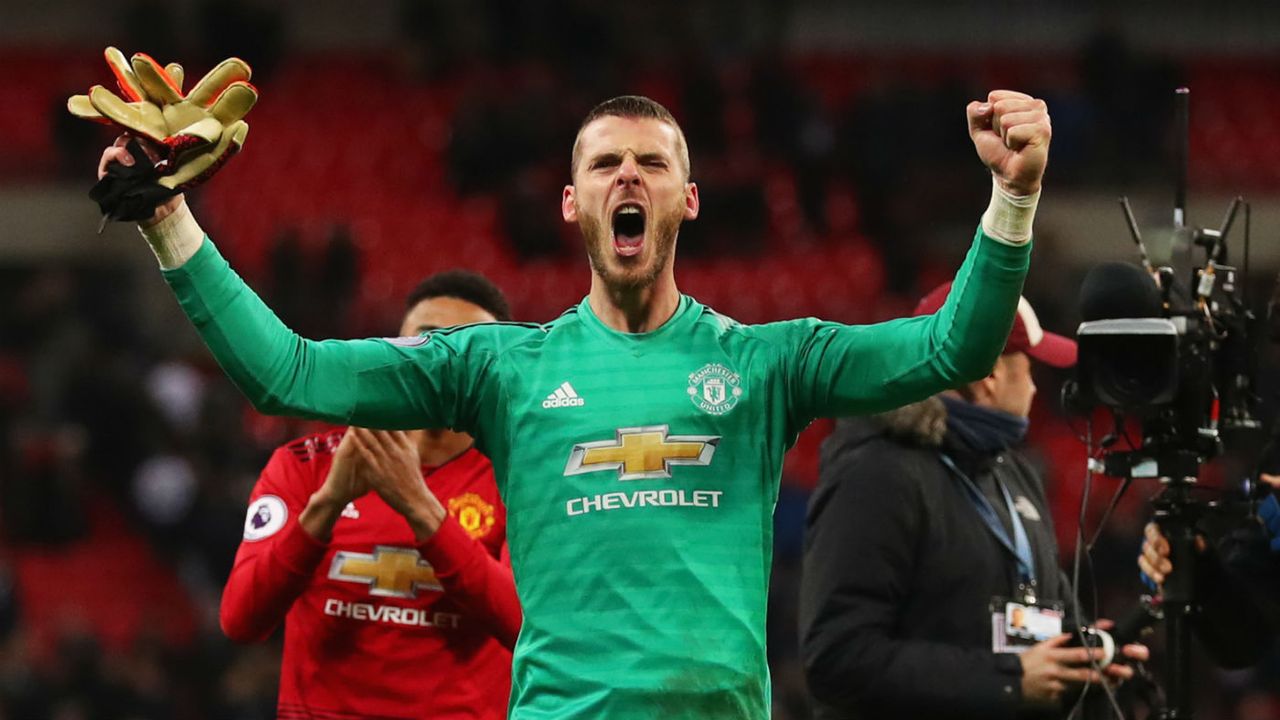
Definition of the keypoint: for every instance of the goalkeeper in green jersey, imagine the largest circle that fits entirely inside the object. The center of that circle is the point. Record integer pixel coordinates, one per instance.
(637, 440)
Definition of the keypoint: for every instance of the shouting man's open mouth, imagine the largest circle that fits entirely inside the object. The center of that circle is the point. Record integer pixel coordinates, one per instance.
(628, 229)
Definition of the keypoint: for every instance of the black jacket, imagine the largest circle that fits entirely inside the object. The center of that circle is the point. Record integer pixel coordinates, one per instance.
(899, 572)
(1237, 584)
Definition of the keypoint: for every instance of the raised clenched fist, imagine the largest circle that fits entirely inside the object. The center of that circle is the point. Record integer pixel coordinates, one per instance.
(1011, 133)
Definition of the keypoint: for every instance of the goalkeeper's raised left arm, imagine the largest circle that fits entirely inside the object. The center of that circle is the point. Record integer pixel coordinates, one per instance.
(444, 379)
(186, 138)
(414, 383)
(374, 383)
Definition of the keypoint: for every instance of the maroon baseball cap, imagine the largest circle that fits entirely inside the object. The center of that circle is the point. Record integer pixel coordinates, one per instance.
(1026, 336)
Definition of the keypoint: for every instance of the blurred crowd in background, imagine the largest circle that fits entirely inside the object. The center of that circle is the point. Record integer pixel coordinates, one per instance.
(838, 184)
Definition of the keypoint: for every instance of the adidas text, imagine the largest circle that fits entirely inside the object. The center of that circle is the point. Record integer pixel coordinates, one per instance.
(563, 402)
(564, 396)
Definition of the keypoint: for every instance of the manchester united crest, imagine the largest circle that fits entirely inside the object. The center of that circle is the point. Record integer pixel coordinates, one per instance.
(715, 389)
(473, 514)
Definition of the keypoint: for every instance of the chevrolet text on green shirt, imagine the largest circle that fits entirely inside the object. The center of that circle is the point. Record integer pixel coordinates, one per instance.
(639, 471)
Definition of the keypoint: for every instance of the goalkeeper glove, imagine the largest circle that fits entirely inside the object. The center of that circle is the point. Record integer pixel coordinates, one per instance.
(192, 134)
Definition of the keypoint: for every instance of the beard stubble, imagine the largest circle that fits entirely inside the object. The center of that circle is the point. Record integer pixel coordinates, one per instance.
(599, 242)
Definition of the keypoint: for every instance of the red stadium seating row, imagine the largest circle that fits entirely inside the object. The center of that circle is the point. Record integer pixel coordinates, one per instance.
(1234, 128)
(1235, 121)
(135, 593)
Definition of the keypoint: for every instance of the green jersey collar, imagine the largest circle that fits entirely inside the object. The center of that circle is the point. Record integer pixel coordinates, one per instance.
(686, 314)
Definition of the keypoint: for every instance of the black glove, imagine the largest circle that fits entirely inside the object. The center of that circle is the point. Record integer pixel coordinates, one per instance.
(131, 193)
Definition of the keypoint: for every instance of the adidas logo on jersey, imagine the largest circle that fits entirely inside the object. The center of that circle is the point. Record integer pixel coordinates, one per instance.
(564, 396)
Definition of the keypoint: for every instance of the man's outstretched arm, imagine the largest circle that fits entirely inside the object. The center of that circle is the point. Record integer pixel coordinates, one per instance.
(375, 383)
(846, 370)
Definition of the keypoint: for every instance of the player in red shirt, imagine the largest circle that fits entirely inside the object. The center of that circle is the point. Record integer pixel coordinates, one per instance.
(396, 594)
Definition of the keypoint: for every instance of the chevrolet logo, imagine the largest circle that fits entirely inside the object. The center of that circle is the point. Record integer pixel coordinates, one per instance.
(641, 453)
(389, 571)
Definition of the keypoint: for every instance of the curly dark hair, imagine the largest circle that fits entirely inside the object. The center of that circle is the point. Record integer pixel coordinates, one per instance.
(464, 285)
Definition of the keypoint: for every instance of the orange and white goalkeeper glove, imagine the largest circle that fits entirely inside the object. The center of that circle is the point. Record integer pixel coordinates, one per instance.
(189, 136)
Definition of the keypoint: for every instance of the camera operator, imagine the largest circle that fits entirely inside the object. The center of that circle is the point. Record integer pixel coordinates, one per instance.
(931, 587)
(1236, 585)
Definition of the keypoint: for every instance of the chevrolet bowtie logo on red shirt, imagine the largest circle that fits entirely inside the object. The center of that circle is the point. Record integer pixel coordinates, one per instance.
(389, 571)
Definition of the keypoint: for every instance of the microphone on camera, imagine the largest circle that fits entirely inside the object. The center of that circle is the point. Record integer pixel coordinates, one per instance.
(1116, 290)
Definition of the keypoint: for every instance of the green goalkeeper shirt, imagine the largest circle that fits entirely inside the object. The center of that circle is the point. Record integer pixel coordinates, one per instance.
(639, 471)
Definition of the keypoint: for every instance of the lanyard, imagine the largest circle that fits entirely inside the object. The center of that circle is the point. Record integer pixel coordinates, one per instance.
(1019, 546)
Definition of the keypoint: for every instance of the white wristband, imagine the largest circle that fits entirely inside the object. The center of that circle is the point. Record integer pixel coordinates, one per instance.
(174, 239)
(1008, 218)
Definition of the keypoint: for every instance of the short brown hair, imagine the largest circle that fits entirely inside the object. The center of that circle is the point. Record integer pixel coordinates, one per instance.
(631, 106)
